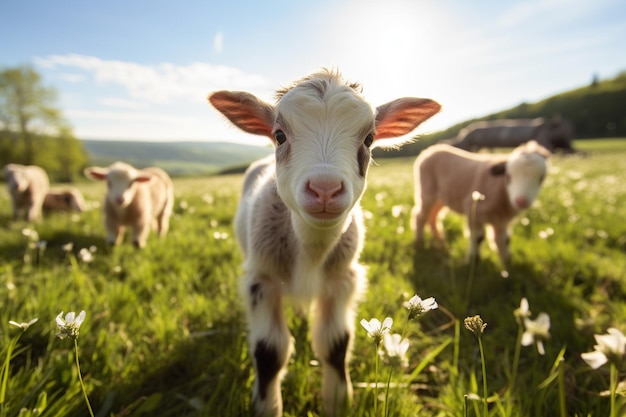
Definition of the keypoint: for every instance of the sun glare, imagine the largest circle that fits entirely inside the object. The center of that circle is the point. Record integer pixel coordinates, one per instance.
(394, 48)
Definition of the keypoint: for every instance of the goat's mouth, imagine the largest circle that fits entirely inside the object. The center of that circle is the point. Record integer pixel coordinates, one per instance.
(325, 214)
(323, 219)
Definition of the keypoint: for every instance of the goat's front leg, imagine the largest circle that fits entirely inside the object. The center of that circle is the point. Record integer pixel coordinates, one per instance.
(269, 342)
(333, 333)
(476, 238)
(34, 211)
(115, 232)
(501, 238)
(141, 231)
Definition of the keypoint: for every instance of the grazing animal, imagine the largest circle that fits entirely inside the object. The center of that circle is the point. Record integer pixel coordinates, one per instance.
(141, 199)
(28, 185)
(67, 199)
(446, 176)
(299, 222)
(553, 134)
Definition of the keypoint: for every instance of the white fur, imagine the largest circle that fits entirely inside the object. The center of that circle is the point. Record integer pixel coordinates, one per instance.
(141, 199)
(28, 185)
(299, 221)
(446, 176)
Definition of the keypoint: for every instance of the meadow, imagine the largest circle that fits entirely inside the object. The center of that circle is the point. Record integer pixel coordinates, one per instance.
(164, 333)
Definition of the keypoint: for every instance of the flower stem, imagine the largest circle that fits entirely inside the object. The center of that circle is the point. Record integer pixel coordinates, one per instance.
(80, 378)
(518, 345)
(613, 388)
(562, 404)
(387, 392)
(376, 385)
(484, 368)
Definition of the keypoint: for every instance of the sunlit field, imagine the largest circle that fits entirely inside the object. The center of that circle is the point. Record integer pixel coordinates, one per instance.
(164, 333)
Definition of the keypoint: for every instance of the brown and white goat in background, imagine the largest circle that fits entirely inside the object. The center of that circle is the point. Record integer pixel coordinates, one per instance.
(486, 188)
(141, 199)
(299, 221)
(64, 199)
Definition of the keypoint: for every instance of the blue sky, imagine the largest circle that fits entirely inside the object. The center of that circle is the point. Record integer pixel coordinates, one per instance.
(142, 69)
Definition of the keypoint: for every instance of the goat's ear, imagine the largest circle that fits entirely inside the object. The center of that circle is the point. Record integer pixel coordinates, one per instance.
(245, 111)
(402, 116)
(534, 146)
(143, 178)
(498, 169)
(96, 173)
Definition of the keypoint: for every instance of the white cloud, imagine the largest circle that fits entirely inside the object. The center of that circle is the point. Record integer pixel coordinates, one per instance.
(121, 103)
(161, 83)
(218, 42)
(120, 116)
(72, 78)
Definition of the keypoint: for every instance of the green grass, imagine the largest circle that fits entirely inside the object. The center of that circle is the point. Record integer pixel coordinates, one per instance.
(165, 332)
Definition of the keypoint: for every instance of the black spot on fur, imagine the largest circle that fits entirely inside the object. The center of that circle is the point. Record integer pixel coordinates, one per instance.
(337, 356)
(256, 293)
(363, 159)
(498, 169)
(267, 366)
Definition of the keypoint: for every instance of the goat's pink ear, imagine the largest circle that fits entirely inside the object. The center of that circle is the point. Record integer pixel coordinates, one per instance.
(402, 116)
(245, 111)
(96, 173)
(143, 178)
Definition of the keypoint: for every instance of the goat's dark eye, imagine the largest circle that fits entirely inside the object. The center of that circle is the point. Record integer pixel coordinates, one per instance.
(369, 139)
(280, 137)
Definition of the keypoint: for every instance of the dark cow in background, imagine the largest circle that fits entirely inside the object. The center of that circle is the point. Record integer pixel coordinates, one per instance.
(554, 134)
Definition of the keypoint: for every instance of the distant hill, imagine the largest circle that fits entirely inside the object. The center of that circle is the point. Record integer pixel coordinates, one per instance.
(177, 158)
(597, 110)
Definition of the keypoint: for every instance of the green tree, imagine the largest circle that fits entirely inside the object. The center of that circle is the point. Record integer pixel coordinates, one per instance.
(32, 128)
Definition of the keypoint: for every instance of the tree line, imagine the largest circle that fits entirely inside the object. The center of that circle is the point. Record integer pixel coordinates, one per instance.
(33, 130)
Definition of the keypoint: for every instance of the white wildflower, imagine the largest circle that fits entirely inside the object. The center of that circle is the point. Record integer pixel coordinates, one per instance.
(523, 311)
(477, 196)
(376, 330)
(23, 326)
(85, 255)
(536, 332)
(396, 348)
(397, 210)
(610, 348)
(418, 307)
(69, 326)
(31, 234)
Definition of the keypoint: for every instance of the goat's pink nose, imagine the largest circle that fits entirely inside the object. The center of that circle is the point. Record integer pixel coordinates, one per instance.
(324, 190)
(522, 202)
(120, 200)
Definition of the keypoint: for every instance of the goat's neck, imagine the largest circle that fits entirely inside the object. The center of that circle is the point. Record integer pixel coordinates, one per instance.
(315, 243)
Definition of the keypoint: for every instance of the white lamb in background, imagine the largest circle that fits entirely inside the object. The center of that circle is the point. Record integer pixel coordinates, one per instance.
(299, 222)
(486, 188)
(66, 199)
(141, 199)
(28, 185)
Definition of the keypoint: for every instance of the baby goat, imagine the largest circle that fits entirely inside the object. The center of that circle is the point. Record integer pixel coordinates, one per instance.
(142, 199)
(299, 222)
(486, 188)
